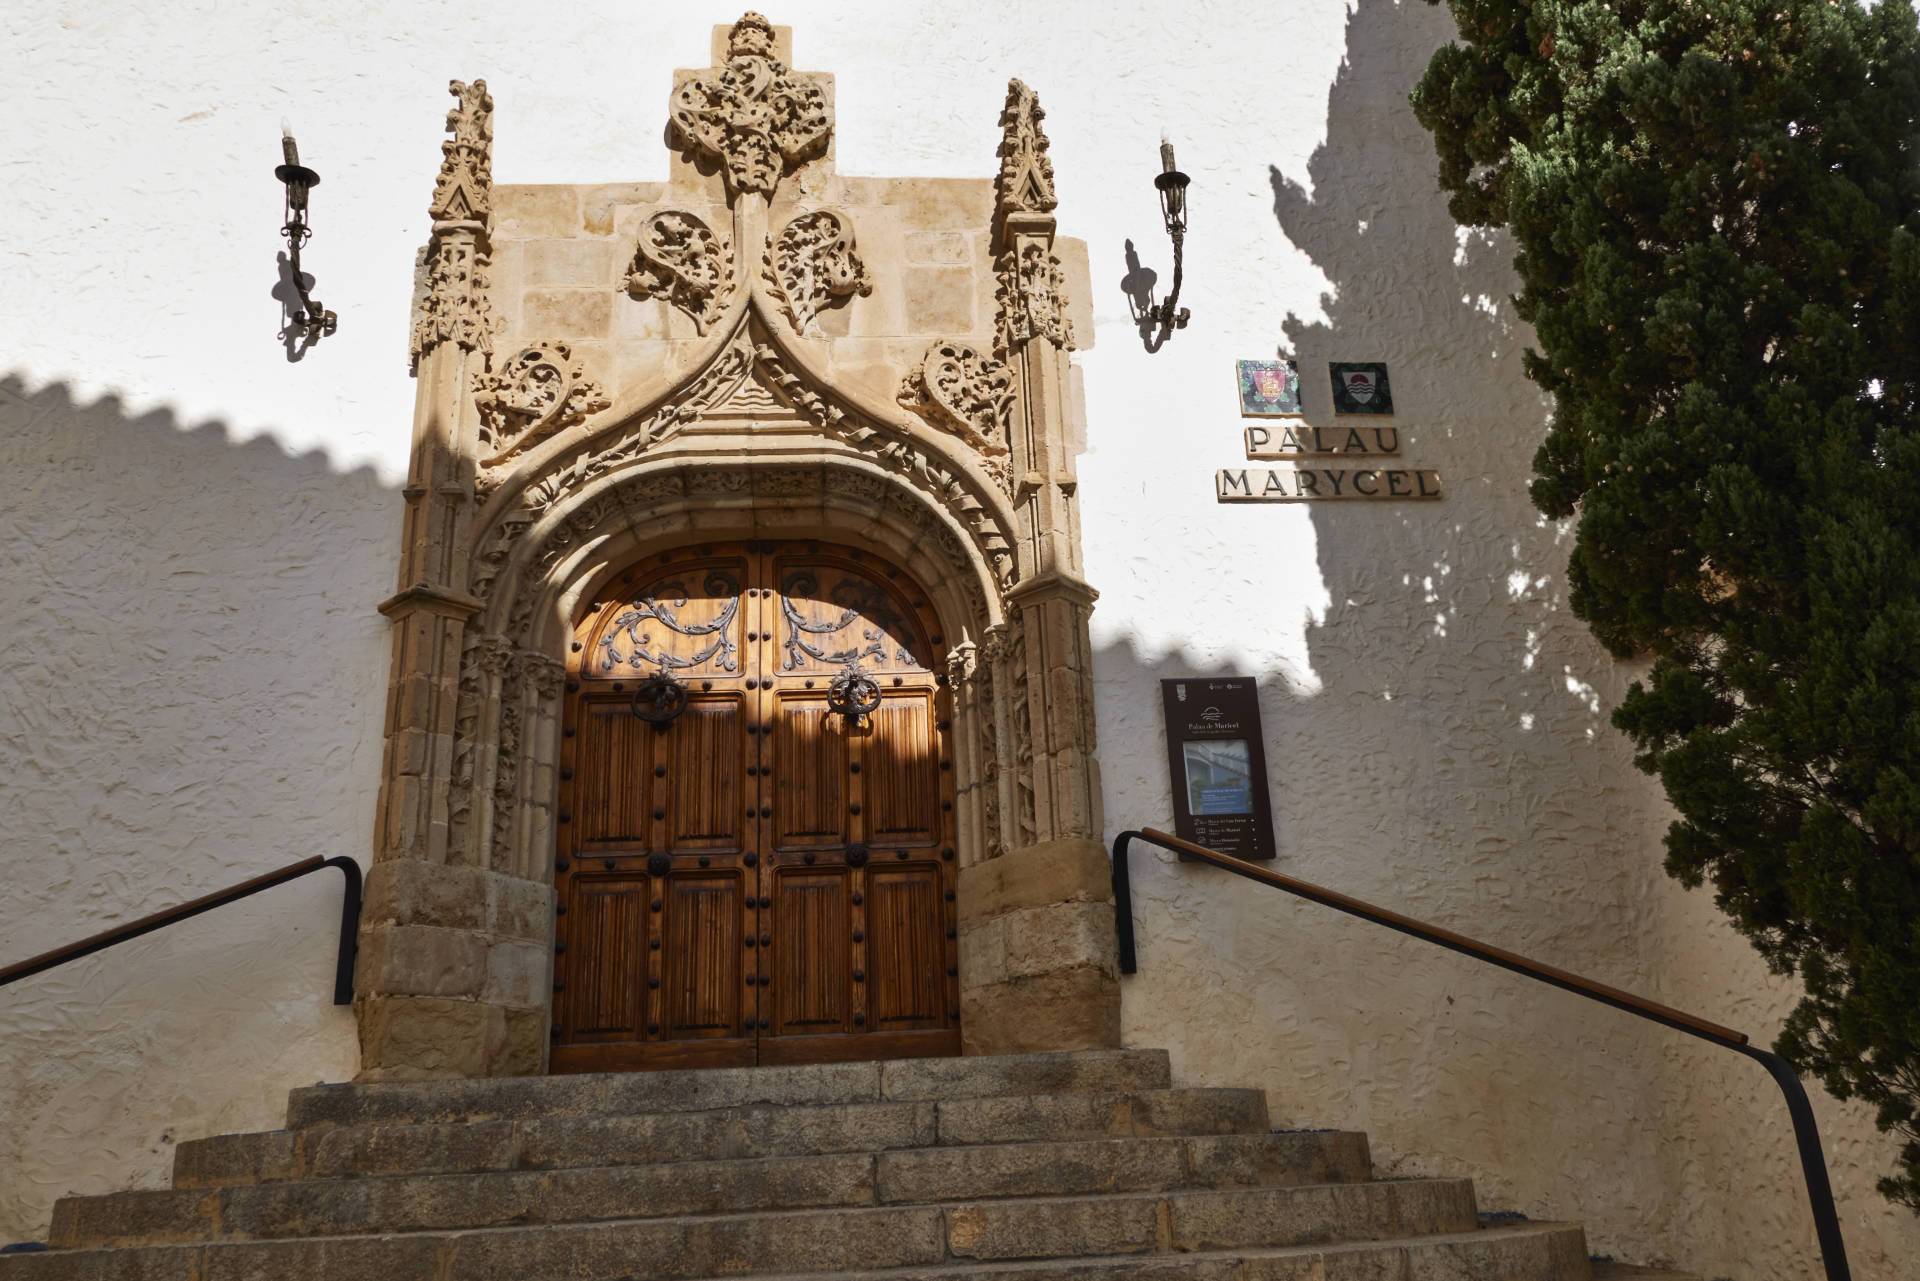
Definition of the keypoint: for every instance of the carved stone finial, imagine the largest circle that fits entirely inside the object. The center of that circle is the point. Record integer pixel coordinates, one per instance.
(1032, 298)
(464, 191)
(540, 391)
(752, 115)
(452, 304)
(751, 37)
(683, 260)
(965, 392)
(1025, 184)
(812, 263)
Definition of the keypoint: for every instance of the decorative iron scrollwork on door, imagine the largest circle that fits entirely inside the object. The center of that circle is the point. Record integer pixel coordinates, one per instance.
(662, 606)
(857, 601)
(854, 695)
(659, 700)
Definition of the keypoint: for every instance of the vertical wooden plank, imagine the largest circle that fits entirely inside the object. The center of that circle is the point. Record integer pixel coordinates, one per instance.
(702, 786)
(809, 774)
(905, 946)
(811, 950)
(701, 952)
(612, 776)
(902, 774)
(608, 931)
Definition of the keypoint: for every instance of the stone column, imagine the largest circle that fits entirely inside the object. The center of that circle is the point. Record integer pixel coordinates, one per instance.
(427, 929)
(1037, 962)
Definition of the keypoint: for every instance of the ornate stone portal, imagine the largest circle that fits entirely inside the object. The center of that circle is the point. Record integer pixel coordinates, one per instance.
(759, 347)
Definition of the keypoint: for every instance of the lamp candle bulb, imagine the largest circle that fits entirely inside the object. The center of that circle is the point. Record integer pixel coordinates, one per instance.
(1166, 155)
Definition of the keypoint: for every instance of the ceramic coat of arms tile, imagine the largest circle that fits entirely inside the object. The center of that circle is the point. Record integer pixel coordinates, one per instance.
(1361, 388)
(1269, 389)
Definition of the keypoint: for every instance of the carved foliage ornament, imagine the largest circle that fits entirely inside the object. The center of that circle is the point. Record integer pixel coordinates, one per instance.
(813, 263)
(1033, 299)
(967, 393)
(464, 190)
(538, 392)
(1025, 182)
(454, 306)
(683, 260)
(752, 115)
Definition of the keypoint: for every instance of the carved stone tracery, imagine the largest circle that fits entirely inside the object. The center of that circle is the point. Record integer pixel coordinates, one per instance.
(540, 391)
(683, 260)
(753, 115)
(812, 265)
(967, 393)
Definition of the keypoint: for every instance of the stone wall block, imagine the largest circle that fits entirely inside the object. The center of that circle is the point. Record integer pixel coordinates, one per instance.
(412, 1038)
(518, 908)
(420, 960)
(567, 313)
(940, 300)
(1063, 936)
(1067, 1010)
(1071, 871)
(579, 264)
(528, 211)
(410, 892)
(516, 1043)
(517, 972)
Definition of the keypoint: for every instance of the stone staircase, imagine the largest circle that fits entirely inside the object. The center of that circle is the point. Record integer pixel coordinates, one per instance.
(1029, 1167)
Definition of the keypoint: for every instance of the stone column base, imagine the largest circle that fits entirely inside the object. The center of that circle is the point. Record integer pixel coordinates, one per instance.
(454, 972)
(1037, 964)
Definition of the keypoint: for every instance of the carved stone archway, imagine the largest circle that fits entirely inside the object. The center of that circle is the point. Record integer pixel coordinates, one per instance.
(709, 358)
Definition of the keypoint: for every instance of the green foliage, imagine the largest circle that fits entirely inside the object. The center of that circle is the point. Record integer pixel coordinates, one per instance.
(1716, 209)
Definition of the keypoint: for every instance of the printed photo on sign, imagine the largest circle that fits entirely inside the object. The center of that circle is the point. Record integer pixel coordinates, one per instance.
(1361, 388)
(1269, 389)
(1219, 777)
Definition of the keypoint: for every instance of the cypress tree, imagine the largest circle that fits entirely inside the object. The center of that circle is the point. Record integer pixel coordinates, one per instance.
(1716, 211)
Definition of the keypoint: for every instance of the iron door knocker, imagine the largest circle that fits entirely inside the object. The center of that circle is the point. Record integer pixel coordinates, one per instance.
(854, 695)
(659, 700)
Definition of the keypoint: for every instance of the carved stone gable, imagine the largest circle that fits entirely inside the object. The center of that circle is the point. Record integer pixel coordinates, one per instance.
(752, 115)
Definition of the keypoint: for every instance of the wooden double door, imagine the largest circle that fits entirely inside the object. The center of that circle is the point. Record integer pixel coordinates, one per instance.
(761, 876)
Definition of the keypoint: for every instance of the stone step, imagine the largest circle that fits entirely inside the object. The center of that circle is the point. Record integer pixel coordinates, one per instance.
(1527, 1252)
(551, 1143)
(860, 1240)
(1608, 1270)
(627, 1093)
(914, 1176)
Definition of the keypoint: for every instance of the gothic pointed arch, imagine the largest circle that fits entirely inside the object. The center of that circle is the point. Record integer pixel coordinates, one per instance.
(758, 349)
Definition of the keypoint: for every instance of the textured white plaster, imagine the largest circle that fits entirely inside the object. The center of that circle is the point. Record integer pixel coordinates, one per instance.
(197, 530)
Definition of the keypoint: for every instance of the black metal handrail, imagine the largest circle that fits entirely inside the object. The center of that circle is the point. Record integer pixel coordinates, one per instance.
(1813, 1167)
(349, 924)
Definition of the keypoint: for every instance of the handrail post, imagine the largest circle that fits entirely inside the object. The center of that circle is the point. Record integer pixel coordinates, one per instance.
(1813, 1164)
(1806, 1133)
(349, 931)
(1123, 903)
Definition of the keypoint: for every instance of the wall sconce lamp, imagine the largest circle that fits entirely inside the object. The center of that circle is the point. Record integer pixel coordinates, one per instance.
(1172, 185)
(300, 180)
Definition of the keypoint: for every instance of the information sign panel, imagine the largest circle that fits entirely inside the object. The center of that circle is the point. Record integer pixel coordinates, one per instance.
(1218, 765)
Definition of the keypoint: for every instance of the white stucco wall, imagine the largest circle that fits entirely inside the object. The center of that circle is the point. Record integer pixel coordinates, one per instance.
(198, 529)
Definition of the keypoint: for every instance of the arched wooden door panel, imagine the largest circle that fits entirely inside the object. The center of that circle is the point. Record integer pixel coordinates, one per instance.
(761, 880)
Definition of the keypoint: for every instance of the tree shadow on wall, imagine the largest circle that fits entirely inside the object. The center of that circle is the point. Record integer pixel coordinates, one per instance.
(1455, 761)
(192, 695)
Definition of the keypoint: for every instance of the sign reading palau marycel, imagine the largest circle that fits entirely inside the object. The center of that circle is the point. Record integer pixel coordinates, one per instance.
(1363, 461)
